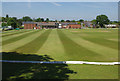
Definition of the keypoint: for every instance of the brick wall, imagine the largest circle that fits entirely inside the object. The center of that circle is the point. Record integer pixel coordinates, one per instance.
(29, 26)
(74, 26)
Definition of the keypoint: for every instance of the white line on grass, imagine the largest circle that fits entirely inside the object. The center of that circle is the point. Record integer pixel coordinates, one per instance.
(63, 62)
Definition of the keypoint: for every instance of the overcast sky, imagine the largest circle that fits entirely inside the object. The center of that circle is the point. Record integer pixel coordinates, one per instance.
(61, 10)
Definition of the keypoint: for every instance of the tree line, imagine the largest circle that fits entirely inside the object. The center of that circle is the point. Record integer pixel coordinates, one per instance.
(100, 21)
(15, 22)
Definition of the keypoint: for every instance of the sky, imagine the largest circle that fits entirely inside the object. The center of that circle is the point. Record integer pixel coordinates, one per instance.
(61, 10)
(60, 0)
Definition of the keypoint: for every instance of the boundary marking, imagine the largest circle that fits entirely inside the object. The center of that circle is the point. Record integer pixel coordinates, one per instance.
(63, 62)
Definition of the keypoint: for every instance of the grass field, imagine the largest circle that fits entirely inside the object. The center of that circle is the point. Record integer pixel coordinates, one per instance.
(61, 45)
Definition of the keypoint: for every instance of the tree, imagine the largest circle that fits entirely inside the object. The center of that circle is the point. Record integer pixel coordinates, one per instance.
(27, 18)
(56, 21)
(4, 19)
(67, 20)
(113, 22)
(38, 20)
(79, 23)
(102, 20)
(62, 21)
(94, 22)
(81, 20)
(19, 22)
(7, 16)
(4, 24)
(42, 19)
(119, 23)
(47, 20)
(73, 20)
(12, 22)
(14, 18)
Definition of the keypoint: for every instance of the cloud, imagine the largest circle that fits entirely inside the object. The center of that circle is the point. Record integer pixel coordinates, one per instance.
(56, 4)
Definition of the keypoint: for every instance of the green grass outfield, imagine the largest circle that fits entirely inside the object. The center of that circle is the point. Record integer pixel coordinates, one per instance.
(68, 45)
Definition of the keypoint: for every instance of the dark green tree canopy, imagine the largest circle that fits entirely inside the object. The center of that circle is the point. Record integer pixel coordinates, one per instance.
(7, 16)
(12, 22)
(38, 20)
(47, 20)
(26, 18)
(19, 22)
(67, 20)
(102, 20)
(119, 23)
(4, 19)
(4, 24)
(81, 20)
(42, 19)
(62, 20)
(15, 18)
(73, 21)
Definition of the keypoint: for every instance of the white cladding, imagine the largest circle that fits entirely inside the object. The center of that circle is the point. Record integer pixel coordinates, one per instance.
(60, 26)
(9, 26)
(111, 25)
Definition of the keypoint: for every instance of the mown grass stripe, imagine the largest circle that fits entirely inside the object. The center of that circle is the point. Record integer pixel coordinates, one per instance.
(6, 33)
(100, 38)
(75, 51)
(35, 45)
(18, 37)
(108, 54)
(12, 46)
(103, 42)
(13, 31)
(13, 36)
(53, 47)
(16, 33)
